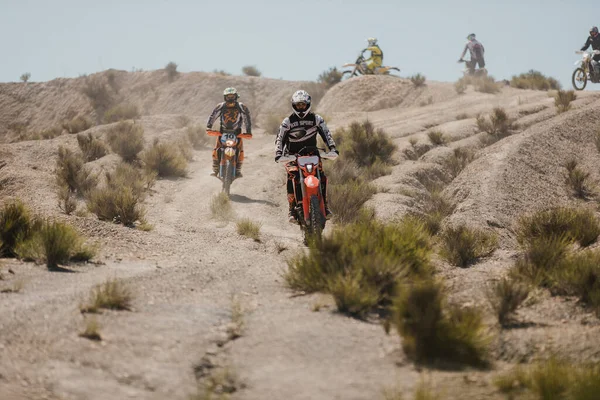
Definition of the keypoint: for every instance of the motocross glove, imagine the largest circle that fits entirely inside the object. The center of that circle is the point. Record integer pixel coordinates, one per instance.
(208, 127)
(332, 148)
(277, 158)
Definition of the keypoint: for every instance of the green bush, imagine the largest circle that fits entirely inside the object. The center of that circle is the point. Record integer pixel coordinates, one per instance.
(534, 80)
(431, 329)
(435, 207)
(165, 159)
(127, 140)
(578, 180)
(498, 126)
(72, 174)
(112, 295)
(330, 77)
(418, 80)
(91, 147)
(462, 245)
(505, 296)
(563, 100)
(460, 158)
(15, 227)
(365, 145)
(436, 138)
(247, 227)
(347, 199)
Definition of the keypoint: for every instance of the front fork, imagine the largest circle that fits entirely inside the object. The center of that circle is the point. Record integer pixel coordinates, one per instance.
(303, 203)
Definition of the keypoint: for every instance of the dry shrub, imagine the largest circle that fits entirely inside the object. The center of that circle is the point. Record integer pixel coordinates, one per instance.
(67, 202)
(505, 296)
(111, 79)
(99, 95)
(220, 207)
(418, 80)
(118, 201)
(92, 329)
(172, 73)
(330, 77)
(578, 180)
(434, 208)
(432, 329)
(15, 227)
(50, 133)
(460, 86)
(72, 174)
(25, 77)
(54, 243)
(121, 112)
(436, 138)
(497, 126)
(462, 116)
(485, 84)
(347, 199)
(197, 136)
(579, 275)
(77, 124)
(251, 70)
(365, 262)
(247, 227)
(563, 100)
(126, 139)
(111, 295)
(165, 159)
(534, 80)
(460, 158)
(462, 245)
(272, 124)
(364, 145)
(92, 147)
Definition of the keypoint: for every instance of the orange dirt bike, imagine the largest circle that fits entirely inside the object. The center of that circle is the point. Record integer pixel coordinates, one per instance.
(229, 156)
(584, 72)
(359, 68)
(310, 209)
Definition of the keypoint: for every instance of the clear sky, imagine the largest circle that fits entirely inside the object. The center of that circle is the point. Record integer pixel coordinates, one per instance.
(294, 40)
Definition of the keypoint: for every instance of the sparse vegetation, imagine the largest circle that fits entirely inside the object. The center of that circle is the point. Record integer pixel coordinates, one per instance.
(462, 245)
(118, 201)
(247, 227)
(72, 174)
(92, 329)
(462, 116)
(435, 207)
(92, 147)
(50, 133)
(121, 112)
(563, 100)
(534, 80)
(365, 145)
(578, 180)
(111, 295)
(25, 77)
(251, 70)
(486, 84)
(432, 329)
(330, 77)
(236, 327)
(99, 95)
(67, 202)
(197, 136)
(15, 226)
(460, 158)
(436, 138)
(505, 296)
(220, 207)
(418, 80)
(172, 73)
(497, 126)
(77, 124)
(127, 140)
(348, 199)
(165, 159)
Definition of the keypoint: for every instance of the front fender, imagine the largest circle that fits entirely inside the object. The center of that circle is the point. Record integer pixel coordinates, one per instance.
(349, 65)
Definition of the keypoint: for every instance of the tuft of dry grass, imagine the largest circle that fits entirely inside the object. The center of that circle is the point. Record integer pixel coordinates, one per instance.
(111, 295)
(77, 124)
(578, 180)
(418, 80)
(436, 138)
(92, 329)
(71, 173)
(505, 296)
(16, 225)
(220, 207)
(165, 159)
(348, 199)
(127, 140)
(91, 147)
(460, 158)
(563, 100)
(462, 245)
(497, 126)
(121, 112)
(236, 327)
(247, 227)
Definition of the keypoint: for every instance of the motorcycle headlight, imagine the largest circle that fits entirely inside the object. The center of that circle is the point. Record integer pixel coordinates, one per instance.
(309, 167)
(229, 143)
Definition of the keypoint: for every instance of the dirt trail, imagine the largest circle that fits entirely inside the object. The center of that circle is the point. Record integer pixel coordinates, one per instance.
(187, 272)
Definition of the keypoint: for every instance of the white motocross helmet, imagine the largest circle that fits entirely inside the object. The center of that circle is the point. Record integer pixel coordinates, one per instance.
(372, 41)
(301, 96)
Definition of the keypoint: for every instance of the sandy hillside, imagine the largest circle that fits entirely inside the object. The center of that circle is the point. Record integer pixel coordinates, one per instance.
(188, 273)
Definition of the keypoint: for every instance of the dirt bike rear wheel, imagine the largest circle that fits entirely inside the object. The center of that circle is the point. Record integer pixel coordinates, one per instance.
(316, 219)
(579, 77)
(349, 74)
(228, 178)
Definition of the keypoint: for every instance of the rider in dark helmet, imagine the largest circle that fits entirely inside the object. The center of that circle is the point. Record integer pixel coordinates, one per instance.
(594, 41)
(232, 114)
(300, 130)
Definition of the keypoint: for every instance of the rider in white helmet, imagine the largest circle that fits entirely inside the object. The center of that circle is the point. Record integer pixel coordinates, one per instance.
(233, 114)
(297, 131)
(376, 59)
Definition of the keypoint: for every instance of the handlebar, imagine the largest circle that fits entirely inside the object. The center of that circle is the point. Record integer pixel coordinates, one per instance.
(217, 133)
(332, 155)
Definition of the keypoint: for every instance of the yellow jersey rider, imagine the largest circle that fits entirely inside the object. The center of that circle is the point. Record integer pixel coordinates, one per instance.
(376, 59)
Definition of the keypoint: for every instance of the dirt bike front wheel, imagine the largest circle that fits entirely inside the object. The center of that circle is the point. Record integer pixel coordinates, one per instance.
(349, 74)
(579, 79)
(316, 220)
(228, 178)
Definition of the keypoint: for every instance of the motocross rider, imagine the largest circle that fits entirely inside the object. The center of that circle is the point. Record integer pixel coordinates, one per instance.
(594, 41)
(376, 59)
(233, 114)
(476, 50)
(299, 130)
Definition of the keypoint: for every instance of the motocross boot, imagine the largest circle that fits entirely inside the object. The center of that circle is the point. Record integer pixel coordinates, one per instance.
(328, 213)
(238, 170)
(292, 219)
(215, 168)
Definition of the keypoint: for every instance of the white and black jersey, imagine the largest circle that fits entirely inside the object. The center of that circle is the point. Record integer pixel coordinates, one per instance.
(296, 133)
(231, 118)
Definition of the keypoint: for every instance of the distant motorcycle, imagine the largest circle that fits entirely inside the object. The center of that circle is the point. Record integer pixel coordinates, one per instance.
(359, 68)
(308, 199)
(470, 69)
(229, 155)
(583, 73)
